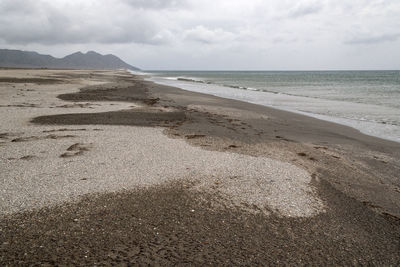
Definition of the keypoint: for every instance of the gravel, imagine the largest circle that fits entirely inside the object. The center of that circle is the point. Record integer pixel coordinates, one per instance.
(119, 158)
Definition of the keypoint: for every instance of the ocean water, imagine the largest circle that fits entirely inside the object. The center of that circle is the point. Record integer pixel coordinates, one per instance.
(366, 100)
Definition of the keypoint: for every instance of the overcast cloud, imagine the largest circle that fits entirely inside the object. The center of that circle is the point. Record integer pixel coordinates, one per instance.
(211, 34)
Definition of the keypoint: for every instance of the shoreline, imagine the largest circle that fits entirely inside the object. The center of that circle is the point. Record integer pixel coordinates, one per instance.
(359, 125)
(225, 181)
(295, 113)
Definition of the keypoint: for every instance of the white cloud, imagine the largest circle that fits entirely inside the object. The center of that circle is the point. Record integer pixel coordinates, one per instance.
(59, 22)
(208, 36)
(156, 4)
(302, 9)
(374, 39)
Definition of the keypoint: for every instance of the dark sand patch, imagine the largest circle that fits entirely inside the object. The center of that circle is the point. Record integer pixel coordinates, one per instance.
(71, 130)
(97, 75)
(29, 80)
(132, 91)
(78, 147)
(172, 225)
(4, 135)
(193, 136)
(33, 138)
(76, 150)
(233, 146)
(77, 105)
(128, 117)
(23, 105)
(29, 157)
(64, 130)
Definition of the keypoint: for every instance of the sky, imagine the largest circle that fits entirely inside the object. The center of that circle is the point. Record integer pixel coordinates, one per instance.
(211, 34)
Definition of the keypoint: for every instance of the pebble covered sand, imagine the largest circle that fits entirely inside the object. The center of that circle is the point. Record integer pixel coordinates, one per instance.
(48, 165)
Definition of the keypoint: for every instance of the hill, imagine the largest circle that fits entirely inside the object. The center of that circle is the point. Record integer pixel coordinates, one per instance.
(78, 60)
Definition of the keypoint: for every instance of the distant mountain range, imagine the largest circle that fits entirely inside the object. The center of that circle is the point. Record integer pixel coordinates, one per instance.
(78, 60)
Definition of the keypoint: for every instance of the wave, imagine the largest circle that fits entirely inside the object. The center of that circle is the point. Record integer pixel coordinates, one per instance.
(138, 72)
(184, 79)
(197, 80)
(192, 80)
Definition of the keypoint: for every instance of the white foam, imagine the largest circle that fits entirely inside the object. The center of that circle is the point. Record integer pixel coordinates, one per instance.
(138, 72)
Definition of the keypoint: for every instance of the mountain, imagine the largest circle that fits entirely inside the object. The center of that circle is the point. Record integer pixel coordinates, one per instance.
(78, 60)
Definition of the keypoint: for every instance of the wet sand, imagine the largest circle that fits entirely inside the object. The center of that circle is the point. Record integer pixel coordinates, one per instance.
(350, 213)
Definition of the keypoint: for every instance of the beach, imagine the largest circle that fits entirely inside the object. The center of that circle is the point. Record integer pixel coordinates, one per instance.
(101, 167)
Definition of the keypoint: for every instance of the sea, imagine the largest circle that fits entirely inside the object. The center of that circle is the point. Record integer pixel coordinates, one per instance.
(365, 100)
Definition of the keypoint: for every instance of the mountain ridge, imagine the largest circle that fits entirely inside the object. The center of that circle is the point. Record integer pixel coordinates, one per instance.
(78, 60)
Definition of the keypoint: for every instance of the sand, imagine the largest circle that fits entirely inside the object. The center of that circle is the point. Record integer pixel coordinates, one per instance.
(43, 165)
(105, 167)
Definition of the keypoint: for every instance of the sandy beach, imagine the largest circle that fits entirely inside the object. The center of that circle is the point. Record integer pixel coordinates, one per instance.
(101, 167)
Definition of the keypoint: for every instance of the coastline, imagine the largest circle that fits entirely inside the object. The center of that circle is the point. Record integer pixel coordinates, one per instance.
(301, 104)
(352, 174)
(304, 114)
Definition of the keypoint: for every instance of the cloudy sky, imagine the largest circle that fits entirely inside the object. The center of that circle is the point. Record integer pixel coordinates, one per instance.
(212, 34)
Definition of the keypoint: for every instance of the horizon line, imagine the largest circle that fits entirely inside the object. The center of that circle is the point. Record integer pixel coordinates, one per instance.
(238, 70)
